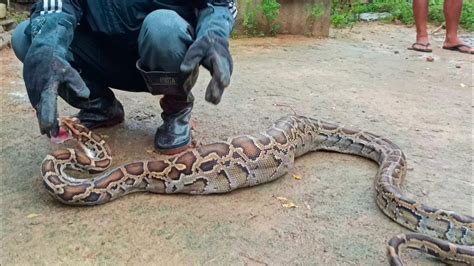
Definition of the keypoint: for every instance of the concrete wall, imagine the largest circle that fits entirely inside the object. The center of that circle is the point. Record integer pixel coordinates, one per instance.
(300, 17)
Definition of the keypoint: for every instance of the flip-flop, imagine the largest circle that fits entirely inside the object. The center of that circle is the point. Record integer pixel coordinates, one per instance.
(425, 50)
(456, 48)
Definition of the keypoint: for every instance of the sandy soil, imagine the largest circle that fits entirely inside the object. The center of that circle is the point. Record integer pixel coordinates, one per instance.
(365, 78)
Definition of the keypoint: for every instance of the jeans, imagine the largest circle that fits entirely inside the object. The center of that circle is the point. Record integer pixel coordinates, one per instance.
(162, 43)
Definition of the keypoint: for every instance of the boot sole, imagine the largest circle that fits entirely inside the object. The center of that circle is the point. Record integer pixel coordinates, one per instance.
(108, 123)
(174, 150)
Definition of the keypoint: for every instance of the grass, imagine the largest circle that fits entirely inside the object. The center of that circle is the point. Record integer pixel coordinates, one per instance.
(344, 14)
(18, 16)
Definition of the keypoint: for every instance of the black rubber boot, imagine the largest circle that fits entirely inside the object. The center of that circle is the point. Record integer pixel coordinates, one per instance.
(101, 112)
(174, 135)
(102, 109)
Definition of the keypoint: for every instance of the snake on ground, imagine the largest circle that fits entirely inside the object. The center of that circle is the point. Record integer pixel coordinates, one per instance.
(250, 160)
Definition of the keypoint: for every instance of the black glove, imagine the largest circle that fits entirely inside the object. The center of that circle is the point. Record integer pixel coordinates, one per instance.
(46, 69)
(211, 49)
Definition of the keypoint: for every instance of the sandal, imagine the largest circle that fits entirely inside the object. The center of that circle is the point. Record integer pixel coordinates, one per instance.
(457, 47)
(424, 50)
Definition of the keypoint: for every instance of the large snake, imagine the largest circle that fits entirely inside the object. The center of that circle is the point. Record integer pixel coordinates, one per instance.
(249, 160)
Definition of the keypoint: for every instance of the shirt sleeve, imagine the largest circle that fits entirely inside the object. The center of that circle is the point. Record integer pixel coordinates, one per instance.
(231, 4)
(233, 8)
(71, 8)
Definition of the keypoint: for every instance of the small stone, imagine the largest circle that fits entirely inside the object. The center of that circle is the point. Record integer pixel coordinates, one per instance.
(430, 59)
(458, 66)
(3, 10)
(396, 52)
(373, 16)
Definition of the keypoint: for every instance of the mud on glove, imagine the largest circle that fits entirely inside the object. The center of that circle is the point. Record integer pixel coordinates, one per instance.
(211, 49)
(46, 69)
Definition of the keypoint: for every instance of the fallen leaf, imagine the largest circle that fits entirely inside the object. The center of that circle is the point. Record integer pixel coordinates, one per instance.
(104, 136)
(289, 205)
(286, 203)
(32, 215)
(281, 198)
(297, 177)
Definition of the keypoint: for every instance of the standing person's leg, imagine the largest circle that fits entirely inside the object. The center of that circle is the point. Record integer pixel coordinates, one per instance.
(452, 13)
(163, 42)
(420, 11)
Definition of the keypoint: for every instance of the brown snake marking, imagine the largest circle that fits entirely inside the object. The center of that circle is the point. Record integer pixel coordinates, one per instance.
(250, 160)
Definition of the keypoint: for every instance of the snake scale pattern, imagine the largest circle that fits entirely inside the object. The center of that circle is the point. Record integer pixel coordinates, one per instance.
(249, 160)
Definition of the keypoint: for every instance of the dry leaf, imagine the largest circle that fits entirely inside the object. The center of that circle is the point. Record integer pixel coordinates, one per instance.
(286, 203)
(297, 177)
(289, 205)
(281, 198)
(32, 215)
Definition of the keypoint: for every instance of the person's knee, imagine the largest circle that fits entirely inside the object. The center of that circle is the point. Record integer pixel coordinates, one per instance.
(20, 41)
(164, 40)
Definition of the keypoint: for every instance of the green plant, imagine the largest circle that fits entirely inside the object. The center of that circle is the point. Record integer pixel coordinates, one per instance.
(467, 17)
(317, 11)
(342, 20)
(271, 11)
(345, 13)
(250, 18)
(18, 16)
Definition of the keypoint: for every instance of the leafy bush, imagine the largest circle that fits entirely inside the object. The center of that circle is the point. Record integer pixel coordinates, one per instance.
(271, 10)
(467, 18)
(317, 11)
(250, 18)
(345, 14)
(341, 20)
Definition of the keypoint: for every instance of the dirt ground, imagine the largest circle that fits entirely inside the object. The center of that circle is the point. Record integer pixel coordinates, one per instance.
(364, 78)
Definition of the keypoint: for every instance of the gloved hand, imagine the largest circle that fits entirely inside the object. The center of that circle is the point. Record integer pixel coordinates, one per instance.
(46, 69)
(211, 49)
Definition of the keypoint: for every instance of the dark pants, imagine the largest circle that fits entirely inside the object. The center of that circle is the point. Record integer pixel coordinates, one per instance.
(162, 43)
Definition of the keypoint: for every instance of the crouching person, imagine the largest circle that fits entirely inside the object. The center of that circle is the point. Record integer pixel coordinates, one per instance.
(80, 49)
